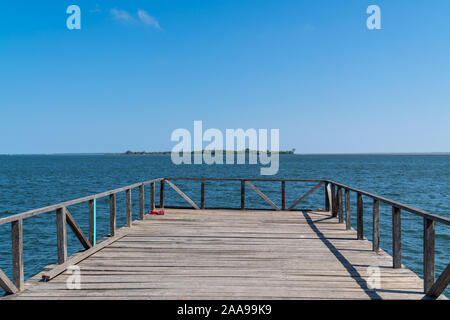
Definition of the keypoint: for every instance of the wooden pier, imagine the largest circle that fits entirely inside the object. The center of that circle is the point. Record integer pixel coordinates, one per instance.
(207, 253)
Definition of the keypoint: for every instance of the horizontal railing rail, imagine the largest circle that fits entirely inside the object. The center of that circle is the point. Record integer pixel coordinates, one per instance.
(397, 204)
(244, 183)
(54, 207)
(334, 204)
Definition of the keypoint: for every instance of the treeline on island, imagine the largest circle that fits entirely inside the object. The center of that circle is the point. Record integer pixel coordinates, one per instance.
(146, 153)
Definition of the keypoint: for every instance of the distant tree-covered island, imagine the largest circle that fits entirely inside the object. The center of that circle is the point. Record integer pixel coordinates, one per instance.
(138, 153)
(147, 153)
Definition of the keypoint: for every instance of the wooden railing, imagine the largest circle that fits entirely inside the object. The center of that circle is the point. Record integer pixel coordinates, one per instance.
(63, 218)
(432, 288)
(244, 183)
(333, 203)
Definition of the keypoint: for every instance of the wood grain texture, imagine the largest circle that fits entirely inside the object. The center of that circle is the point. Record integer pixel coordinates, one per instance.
(202, 194)
(376, 225)
(339, 205)
(233, 254)
(161, 194)
(61, 236)
(92, 217)
(396, 238)
(76, 229)
(141, 203)
(73, 260)
(17, 253)
(348, 218)
(112, 214)
(333, 200)
(327, 200)
(128, 208)
(242, 194)
(441, 283)
(428, 253)
(152, 196)
(7, 284)
(359, 216)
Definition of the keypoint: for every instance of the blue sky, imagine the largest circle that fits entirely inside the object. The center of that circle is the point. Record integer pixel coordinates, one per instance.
(310, 68)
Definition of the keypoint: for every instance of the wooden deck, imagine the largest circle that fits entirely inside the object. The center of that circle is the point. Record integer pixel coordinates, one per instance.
(233, 254)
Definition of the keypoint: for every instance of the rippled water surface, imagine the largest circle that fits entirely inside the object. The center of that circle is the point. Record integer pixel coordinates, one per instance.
(30, 182)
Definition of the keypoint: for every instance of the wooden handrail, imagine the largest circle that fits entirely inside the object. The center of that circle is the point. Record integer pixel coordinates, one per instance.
(399, 205)
(432, 288)
(54, 207)
(247, 179)
(64, 218)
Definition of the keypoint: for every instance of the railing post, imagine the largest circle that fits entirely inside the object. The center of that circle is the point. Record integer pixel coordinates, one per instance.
(112, 214)
(428, 254)
(376, 225)
(17, 253)
(348, 220)
(283, 195)
(92, 222)
(141, 202)
(339, 205)
(396, 238)
(161, 195)
(441, 284)
(242, 194)
(202, 195)
(359, 216)
(128, 210)
(152, 196)
(327, 200)
(333, 201)
(61, 235)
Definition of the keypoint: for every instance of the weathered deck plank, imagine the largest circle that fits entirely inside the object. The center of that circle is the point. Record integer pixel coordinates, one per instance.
(233, 254)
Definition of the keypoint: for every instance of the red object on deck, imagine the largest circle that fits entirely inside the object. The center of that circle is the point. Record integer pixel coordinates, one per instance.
(158, 212)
